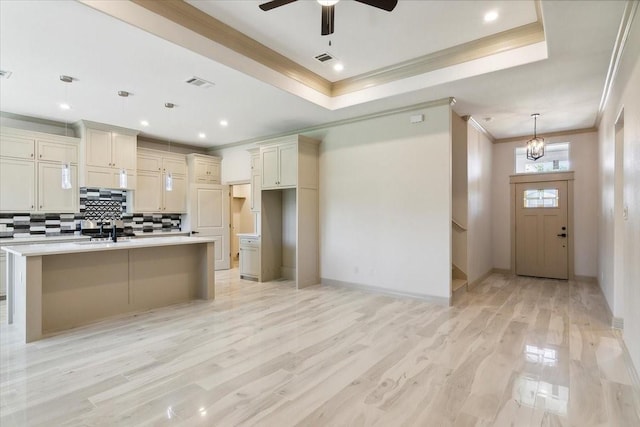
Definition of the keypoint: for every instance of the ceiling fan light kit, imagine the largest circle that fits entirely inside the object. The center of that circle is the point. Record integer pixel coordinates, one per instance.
(328, 10)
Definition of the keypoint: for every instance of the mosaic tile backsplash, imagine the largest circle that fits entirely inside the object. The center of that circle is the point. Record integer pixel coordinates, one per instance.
(98, 204)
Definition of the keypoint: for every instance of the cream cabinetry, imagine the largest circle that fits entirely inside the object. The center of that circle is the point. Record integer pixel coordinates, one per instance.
(256, 180)
(105, 152)
(249, 257)
(151, 194)
(279, 165)
(203, 169)
(289, 240)
(31, 167)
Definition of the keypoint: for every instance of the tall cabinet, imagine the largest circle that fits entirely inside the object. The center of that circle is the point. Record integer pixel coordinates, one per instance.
(289, 211)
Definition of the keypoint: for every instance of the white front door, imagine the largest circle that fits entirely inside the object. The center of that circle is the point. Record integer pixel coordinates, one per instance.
(542, 229)
(209, 212)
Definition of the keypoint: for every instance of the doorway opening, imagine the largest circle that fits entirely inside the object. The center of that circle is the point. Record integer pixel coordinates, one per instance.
(242, 219)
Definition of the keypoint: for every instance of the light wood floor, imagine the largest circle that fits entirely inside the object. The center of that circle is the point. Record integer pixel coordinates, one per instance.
(512, 352)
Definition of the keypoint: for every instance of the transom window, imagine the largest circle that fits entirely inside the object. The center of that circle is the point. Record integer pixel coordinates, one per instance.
(556, 158)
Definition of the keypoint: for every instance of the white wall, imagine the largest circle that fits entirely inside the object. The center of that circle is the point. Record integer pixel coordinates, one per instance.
(479, 188)
(583, 153)
(385, 203)
(623, 296)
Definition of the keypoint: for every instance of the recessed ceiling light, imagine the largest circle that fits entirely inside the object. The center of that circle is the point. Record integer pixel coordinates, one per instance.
(65, 106)
(224, 123)
(338, 66)
(144, 123)
(490, 16)
(202, 135)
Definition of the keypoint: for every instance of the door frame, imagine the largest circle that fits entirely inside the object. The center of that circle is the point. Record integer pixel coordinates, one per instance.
(543, 177)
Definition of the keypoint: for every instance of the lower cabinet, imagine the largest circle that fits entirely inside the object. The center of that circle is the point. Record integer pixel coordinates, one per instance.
(250, 258)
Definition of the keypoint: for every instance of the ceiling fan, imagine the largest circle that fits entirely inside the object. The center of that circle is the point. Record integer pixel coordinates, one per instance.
(328, 9)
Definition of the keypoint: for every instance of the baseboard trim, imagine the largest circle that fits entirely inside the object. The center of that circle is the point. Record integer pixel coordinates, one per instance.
(378, 290)
(505, 271)
(480, 279)
(617, 322)
(587, 279)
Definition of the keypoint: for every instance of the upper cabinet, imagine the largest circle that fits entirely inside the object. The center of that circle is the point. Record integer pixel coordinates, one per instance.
(288, 162)
(152, 193)
(32, 165)
(203, 169)
(108, 154)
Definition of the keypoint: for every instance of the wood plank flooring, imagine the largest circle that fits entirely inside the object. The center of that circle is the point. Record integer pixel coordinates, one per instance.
(512, 352)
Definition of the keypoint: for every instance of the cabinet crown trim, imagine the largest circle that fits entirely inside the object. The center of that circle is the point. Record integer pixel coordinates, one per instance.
(35, 135)
(289, 139)
(105, 127)
(204, 156)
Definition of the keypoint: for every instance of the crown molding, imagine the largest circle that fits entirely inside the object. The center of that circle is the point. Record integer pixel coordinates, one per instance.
(547, 135)
(438, 102)
(616, 56)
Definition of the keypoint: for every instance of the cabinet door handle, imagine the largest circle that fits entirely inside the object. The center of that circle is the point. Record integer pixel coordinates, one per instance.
(40, 156)
(40, 206)
(31, 206)
(31, 156)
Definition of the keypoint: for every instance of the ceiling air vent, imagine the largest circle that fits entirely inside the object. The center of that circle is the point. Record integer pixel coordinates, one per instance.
(198, 82)
(323, 57)
(4, 74)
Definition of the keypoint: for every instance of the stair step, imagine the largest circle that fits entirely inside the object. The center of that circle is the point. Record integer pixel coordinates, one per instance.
(457, 284)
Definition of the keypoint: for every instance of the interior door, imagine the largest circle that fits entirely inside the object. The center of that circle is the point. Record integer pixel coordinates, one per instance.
(210, 218)
(542, 229)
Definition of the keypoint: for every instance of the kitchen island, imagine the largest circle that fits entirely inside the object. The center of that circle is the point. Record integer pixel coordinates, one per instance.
(52, 287)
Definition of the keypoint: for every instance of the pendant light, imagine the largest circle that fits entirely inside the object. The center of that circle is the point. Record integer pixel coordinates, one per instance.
(122, 174)
(168, 177)
(65, 172)
(535, 146)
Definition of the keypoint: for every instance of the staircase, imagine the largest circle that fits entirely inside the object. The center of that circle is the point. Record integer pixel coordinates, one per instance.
(458, 282)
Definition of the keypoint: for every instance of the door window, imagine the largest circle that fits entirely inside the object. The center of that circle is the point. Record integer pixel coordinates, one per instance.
(541, 198)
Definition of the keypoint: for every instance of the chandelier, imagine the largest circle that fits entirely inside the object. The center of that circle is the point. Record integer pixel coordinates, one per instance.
(535, 146)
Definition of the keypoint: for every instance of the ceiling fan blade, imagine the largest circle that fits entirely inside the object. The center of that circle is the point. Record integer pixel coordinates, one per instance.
(387, 5)
(275, 3)
(327, 20)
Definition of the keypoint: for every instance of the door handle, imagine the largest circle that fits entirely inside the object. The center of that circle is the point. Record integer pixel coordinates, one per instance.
(562, 235)
(195, 232)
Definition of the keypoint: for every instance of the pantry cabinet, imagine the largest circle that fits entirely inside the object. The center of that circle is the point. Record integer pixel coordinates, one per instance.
(105, 152)
(151, 194)
(203, 169)
(289, 210)
(31, 168)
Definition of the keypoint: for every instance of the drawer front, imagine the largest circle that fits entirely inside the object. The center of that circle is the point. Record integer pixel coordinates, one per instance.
(250, 242)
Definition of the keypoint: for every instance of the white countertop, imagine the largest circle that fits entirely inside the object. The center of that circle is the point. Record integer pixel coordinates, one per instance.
(161, 233)
(7, 241)
(86, 246)
(249, 235)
